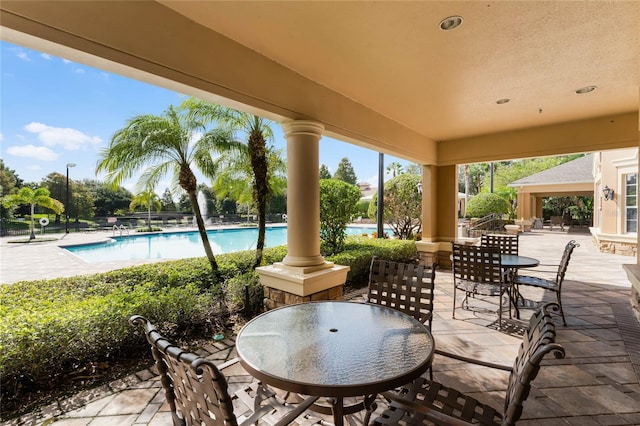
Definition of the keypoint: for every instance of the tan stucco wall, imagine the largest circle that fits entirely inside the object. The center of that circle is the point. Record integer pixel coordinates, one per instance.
(613, 166)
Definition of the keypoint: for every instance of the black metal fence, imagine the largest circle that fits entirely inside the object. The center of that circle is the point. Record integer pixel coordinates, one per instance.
(163, 221)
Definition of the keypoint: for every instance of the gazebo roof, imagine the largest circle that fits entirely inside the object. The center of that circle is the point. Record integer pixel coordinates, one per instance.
(579, 170)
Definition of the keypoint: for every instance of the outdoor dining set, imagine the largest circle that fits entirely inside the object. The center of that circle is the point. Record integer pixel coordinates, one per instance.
(367, 363)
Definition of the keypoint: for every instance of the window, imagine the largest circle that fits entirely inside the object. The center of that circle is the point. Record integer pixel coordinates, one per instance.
(631, 202)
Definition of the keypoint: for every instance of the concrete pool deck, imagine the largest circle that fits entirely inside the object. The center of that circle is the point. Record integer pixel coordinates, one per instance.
(46, 259)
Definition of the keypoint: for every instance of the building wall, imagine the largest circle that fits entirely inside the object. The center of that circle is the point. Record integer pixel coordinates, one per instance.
(609, 224)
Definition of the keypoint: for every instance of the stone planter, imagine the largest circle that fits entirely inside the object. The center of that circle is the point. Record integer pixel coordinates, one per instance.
(512, 229)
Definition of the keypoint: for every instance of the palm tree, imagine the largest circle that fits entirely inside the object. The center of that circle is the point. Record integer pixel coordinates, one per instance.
(149, 199)
(170, 143)
(258, 131)
(235, 176)
(37, 197)
(395, 169)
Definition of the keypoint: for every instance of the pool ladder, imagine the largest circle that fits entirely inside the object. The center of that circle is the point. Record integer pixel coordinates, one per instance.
(120, 228)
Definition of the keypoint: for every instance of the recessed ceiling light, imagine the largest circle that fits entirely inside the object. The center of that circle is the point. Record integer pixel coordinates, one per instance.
(450, 23)
(586, 89)
(502, 101)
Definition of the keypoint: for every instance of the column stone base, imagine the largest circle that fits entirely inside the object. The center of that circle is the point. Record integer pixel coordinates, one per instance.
(431, 252)
(285, 285)
(633, 273)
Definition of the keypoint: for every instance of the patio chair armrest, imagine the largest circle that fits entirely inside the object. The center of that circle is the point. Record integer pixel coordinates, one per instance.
(473, 361)
(431, 414)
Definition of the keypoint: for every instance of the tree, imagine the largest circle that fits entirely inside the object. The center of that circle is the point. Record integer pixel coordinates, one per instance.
(80, 199)
(9, 183)
(168, 205)
(148, 199)
(257, 131)
(106, 199)
(338, 204)
(174, 143)
(56, 183)
(402, 208)
(485, 204)
(38, 197)
(324, 172)
(345, 172)
(413, 169)
(394, 169)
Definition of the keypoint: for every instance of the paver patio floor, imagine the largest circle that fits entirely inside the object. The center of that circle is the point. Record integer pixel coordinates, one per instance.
(596, 384)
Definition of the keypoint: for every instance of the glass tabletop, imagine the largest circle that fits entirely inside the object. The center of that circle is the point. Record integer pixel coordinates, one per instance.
(516, 261)
(335, 348)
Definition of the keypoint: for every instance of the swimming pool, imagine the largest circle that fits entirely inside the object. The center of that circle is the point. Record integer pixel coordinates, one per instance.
(180, 245)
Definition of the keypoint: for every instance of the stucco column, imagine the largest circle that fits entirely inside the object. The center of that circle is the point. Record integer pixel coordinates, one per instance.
(303, 275)
(439, 213)
(303, 193)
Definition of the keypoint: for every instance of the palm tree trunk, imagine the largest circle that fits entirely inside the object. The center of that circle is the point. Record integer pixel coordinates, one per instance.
(203, 231)
(257, 153)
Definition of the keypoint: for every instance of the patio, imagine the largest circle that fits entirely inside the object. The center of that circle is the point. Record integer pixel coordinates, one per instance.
(597, 383)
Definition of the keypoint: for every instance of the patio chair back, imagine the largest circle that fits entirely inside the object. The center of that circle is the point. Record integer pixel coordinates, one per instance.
(405, 287)
(537, 341)
(564, 262)
(554, 286)
(477, 270)
(428, 402)
(508, 244)
(196, 390)
(198, 394)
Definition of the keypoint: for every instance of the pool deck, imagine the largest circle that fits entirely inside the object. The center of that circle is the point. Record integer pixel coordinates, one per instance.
(596, 384)
(44, 260)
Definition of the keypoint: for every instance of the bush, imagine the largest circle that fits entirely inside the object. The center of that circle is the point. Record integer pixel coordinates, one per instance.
(363, 207)
(338, 201)
(485, 204)
(53, 327)
(402, 206)
(358, 252)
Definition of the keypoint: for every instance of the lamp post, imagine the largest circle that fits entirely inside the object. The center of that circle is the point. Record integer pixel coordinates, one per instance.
(66, 206)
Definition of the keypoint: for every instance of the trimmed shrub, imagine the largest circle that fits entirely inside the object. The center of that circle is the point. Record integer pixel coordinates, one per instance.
(485, 204)
(358, 252)
(54, 327)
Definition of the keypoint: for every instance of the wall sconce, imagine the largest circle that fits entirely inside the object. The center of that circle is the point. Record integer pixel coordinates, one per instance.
(608, 193)
(419, 187)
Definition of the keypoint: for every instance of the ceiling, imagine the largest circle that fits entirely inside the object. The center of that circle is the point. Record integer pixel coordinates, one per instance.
(380, 74)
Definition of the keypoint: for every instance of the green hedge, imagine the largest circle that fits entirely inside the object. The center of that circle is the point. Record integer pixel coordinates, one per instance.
(53, 326)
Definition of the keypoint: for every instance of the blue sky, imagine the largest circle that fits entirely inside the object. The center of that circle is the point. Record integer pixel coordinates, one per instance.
(54, 111)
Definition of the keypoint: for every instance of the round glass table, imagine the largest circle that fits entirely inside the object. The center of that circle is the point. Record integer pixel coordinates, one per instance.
(335, 350)
(513, 262)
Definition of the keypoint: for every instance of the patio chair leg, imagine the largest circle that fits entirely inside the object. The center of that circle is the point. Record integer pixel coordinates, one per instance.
(564, 322)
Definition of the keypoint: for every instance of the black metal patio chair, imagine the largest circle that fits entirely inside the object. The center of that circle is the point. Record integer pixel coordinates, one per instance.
(554, 285)
(478, 271)
(508, 244)
(405, 287)
(197, 391)
(428, 402)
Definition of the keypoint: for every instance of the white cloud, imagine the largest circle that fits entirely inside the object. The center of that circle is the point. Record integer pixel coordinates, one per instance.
(78, 71)
(69, 139)
(23, 55)
(66, 61)
(46, 56)
(31, 151)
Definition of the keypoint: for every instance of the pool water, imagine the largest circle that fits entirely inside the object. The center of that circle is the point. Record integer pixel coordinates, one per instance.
(180, 245)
